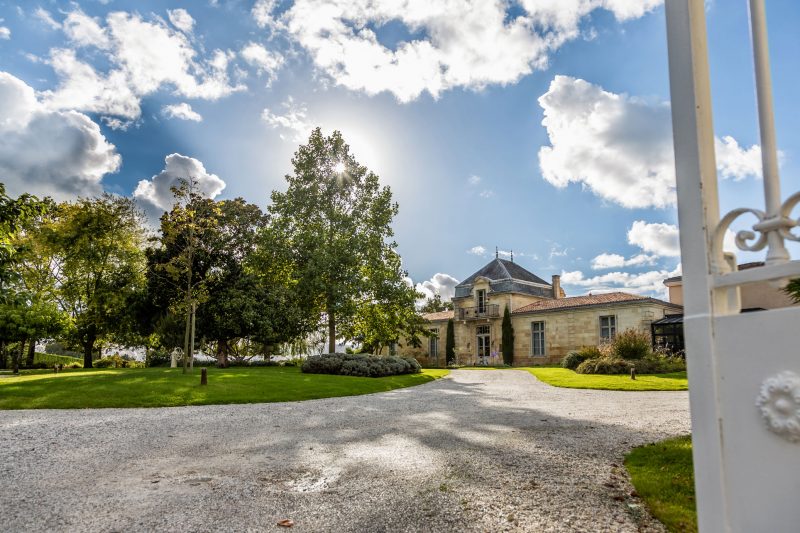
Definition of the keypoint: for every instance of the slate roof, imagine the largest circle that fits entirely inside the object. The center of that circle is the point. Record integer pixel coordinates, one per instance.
(587, 301)
(441, 315)
(506, 276)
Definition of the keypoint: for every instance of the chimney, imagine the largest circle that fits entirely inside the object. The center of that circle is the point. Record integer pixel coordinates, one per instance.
(556, 286)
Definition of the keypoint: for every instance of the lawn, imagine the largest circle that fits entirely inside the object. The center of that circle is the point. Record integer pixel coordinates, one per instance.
(663, 477)
(563, 377)
(166, 387)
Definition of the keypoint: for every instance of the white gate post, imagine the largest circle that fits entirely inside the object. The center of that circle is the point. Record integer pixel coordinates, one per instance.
(744, 369)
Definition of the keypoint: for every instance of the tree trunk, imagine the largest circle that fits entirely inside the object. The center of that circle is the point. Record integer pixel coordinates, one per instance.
(31, 353)
(191, 338)
(88, 350)
(222, 354)
(17, 356)
(3, 354)
(331, 332)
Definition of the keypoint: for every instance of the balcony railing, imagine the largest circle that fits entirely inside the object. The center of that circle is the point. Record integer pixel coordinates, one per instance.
(474, 313)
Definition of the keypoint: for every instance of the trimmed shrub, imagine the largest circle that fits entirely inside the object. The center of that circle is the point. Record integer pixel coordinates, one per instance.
(363, 365)
(631, 344)
(604, 365)
(573, 359)
(115, 361)
(659, 364)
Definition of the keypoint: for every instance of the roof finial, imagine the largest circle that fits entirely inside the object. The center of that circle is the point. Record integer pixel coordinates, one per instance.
(512, 256)
(496, 252)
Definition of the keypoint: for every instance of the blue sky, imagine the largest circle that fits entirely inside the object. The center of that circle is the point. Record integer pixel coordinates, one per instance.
(536, 126)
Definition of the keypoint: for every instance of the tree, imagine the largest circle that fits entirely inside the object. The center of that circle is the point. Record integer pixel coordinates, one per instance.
(507, 345)
(335, 219)
(387, 310)
(183, 257)
(102, 265)
(436, 305)
(14, 213)
(450, 343)
(793, 290)
(26, 322)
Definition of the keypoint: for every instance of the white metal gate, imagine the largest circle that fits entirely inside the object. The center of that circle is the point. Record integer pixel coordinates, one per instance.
(744, 369)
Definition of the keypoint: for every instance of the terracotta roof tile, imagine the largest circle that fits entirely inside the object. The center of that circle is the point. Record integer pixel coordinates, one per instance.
(441, 315)
(589, 299)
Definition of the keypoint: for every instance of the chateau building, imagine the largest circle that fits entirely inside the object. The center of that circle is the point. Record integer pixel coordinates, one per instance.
(547, 323)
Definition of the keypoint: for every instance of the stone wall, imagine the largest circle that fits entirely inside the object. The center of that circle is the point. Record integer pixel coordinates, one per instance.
(570, 329)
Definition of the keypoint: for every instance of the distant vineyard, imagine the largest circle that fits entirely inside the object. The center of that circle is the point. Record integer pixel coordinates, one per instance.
(50, 359)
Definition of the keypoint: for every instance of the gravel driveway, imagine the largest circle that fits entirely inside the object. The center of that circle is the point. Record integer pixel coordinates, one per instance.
(479, 450)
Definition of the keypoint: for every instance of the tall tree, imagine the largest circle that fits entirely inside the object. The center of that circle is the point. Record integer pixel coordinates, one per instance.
(102, 265)
(14, 213)
(507, 345)
(184, 256)
(336, 220)
(450, 343)
(436, 305)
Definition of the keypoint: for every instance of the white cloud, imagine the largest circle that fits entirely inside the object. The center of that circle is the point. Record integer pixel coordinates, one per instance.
(144, 56)
(155, 194)
(736, 162)
(486, 193)
(181, 19)
(656, 238)
(477, 250)
(45, 152)
(266, 62)
(605, 261)
(5, 33)
(262, 14)
(182, 111)
(649, 283)
(474, 180)
(618, 146)
(449, 43)
(293, 123)
(84, 30)
(442, 284)
(45, 16)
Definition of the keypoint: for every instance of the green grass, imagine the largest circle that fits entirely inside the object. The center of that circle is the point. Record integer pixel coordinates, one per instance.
(563, 377)
(165, 387)
(663, 477)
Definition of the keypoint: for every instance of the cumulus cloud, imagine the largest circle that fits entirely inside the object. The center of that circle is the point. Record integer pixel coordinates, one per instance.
(605, 261)
(45, 152)
(442, 284)
(448, 43)
(474, 180)
(83, 30)
(266, 62)
(182, 111)
(736, 162)
(181, 19)
(155, 194)
(5, 33)
(143, 56)
(477, 250)
(619, 147)
(292, 122)
(649, 283)
(656, 238)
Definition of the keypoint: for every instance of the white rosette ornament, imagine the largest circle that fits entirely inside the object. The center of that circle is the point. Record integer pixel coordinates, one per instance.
(779, 404)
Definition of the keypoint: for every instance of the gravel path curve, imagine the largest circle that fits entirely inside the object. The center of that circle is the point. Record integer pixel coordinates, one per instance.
(476, 451)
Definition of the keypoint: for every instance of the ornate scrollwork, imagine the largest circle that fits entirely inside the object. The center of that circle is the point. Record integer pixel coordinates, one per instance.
(779, 404)
(755, 240)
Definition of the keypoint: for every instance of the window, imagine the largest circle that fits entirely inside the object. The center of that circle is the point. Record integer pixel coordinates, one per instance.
(484, 343)
(481, 295)
(608, 327)
(537, 339)
(433, 346)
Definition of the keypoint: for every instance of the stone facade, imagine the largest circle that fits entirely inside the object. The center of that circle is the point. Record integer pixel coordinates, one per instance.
(562, 324)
